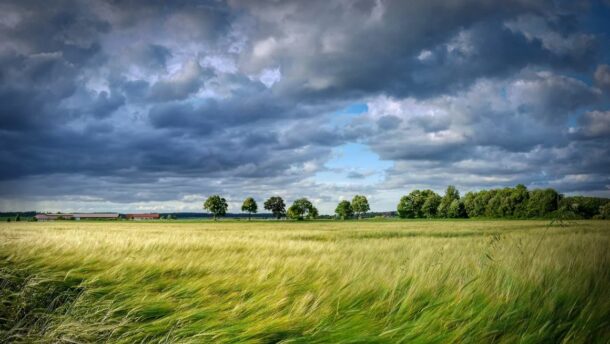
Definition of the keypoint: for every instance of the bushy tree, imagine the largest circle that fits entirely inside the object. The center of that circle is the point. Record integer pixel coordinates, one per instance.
(451, 195)
(431, 202)
(519, 197)
(456, 210)
(470, 205)
(406, 208)
(360, 205)
(249, 206)
(276, 206)
(18, 217)
(518, 202)
(216, 205)
(584, 207)
(542, 202)
(301, 209)
(344, 210)
(419, 204)
(604, 211)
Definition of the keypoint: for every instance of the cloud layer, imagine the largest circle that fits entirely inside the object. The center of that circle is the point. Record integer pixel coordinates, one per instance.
(153, 106)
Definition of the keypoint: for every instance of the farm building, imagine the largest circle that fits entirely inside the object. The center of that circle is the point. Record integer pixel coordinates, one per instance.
(142, 216)
(95, 216)
(52, 217)
(77, 216)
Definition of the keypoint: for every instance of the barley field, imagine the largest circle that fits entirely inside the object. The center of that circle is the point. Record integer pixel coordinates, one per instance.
(305, 282)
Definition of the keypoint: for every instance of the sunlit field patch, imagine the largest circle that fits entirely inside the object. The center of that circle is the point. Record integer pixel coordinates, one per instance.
(267, 281)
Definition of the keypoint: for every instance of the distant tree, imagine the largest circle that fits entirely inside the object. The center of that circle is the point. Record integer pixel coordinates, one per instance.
(8, 219)
(542, 202)
(18, 217)
(301, 209)
(584, 207)
(604, 211)
(344, 210)
(249, 206)
(216, 205)
(456, 209)
(419, 204)
(313, 213)
(470, 203)
(431, 201)
(451, 195)
(406, 207)
(360, 205)
(276, 206)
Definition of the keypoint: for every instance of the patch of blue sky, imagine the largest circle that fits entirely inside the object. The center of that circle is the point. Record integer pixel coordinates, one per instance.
(344, 116)
(354, 163)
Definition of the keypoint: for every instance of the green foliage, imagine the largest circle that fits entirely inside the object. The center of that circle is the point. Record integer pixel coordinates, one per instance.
(344, 210)
(584, 207)
(604, 211)
(249, 206)
(515, 202)
(419, 204)
(456, 210)
(18, 217)
(216, 205)
(276, 206)
(432, 200)
(301, 209)
(452, 194)
(542, 202)
(360, 205)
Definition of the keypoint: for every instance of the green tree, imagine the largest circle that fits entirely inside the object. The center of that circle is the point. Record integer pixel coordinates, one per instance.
(249, 206)
(313, 213)
(456, 209)
(519, 197)
(431, 202)
(344, 210)
(301, 209)
(405, 208)
(419, 204)
(360, 205)
(276, 206)
(216, 205)
(542, 202)
(604, 211)
(584, 207)
(451, 195)
(470, 204)
(18, 217)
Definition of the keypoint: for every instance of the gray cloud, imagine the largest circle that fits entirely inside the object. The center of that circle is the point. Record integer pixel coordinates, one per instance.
(128, 103)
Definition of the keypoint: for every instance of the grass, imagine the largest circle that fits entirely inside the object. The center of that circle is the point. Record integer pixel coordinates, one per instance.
(308, 282)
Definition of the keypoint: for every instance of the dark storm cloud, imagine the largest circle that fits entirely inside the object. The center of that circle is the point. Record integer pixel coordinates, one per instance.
(242, 96)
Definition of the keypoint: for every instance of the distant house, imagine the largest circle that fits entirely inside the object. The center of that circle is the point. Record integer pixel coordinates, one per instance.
(76, 216)
(95, 216)
(52, 217)
(142, 216)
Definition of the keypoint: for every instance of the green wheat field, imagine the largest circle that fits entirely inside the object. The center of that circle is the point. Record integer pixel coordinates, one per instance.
(305, 282)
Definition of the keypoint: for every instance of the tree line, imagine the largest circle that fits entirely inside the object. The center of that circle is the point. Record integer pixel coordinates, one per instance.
(517, 202)
(301, 209)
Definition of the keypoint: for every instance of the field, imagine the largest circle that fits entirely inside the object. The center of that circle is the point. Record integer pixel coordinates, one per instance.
(305, 282)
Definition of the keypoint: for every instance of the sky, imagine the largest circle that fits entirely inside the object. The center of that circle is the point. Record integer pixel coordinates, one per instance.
(137, 106)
